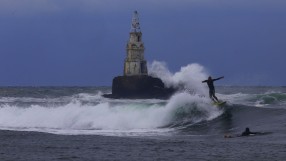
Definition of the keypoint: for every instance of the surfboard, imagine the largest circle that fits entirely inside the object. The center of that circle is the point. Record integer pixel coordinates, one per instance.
(219, 103)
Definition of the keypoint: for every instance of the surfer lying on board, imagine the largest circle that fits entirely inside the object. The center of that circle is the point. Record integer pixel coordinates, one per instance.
(248, 132)
(210, 83)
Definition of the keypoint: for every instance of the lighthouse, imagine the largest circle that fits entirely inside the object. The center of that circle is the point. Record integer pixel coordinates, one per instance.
(135, 82)
(135, 64)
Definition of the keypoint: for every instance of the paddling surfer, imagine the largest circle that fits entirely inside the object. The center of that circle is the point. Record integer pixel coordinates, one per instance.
(210, 83)
(247, 132)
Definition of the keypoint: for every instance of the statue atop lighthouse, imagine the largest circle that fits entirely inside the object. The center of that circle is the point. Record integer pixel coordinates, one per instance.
(135, 64)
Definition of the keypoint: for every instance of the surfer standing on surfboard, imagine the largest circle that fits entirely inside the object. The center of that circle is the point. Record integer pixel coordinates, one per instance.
(210, 83)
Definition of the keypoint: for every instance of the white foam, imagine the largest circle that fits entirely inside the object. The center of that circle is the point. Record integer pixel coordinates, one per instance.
(103, 118)
(93, 114)
(190, 76)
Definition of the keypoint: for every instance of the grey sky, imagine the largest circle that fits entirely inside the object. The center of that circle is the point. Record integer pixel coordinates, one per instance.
(82, 42)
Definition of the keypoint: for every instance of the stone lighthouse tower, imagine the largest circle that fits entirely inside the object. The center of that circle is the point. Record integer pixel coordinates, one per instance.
(135, 82)
(135, 64)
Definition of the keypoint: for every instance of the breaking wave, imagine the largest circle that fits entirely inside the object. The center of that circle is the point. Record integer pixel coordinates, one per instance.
(109, 117)
(83, 110)
(86, 113)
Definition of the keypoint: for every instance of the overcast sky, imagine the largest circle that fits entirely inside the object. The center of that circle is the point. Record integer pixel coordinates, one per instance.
(82, 42)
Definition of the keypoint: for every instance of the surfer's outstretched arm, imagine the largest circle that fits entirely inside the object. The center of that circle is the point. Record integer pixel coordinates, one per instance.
(204, 81)
(218, 78)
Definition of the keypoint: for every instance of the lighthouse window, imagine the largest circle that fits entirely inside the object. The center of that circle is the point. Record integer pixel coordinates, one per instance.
(138, 38)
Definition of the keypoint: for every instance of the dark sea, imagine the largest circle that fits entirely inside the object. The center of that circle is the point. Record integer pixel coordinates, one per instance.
(78, 124)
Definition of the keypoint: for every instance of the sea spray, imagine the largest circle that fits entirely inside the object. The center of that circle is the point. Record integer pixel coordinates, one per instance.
(189, 77)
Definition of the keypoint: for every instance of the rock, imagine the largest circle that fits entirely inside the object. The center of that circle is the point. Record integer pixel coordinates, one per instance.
(139, 87)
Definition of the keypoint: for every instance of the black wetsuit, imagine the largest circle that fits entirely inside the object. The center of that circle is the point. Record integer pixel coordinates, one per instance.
(210, 83)
(248, 132)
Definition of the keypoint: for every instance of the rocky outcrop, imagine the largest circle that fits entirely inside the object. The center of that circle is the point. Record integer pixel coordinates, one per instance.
(139, 87)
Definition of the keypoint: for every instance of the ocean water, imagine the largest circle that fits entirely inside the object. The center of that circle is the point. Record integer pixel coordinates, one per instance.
(77, 123)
